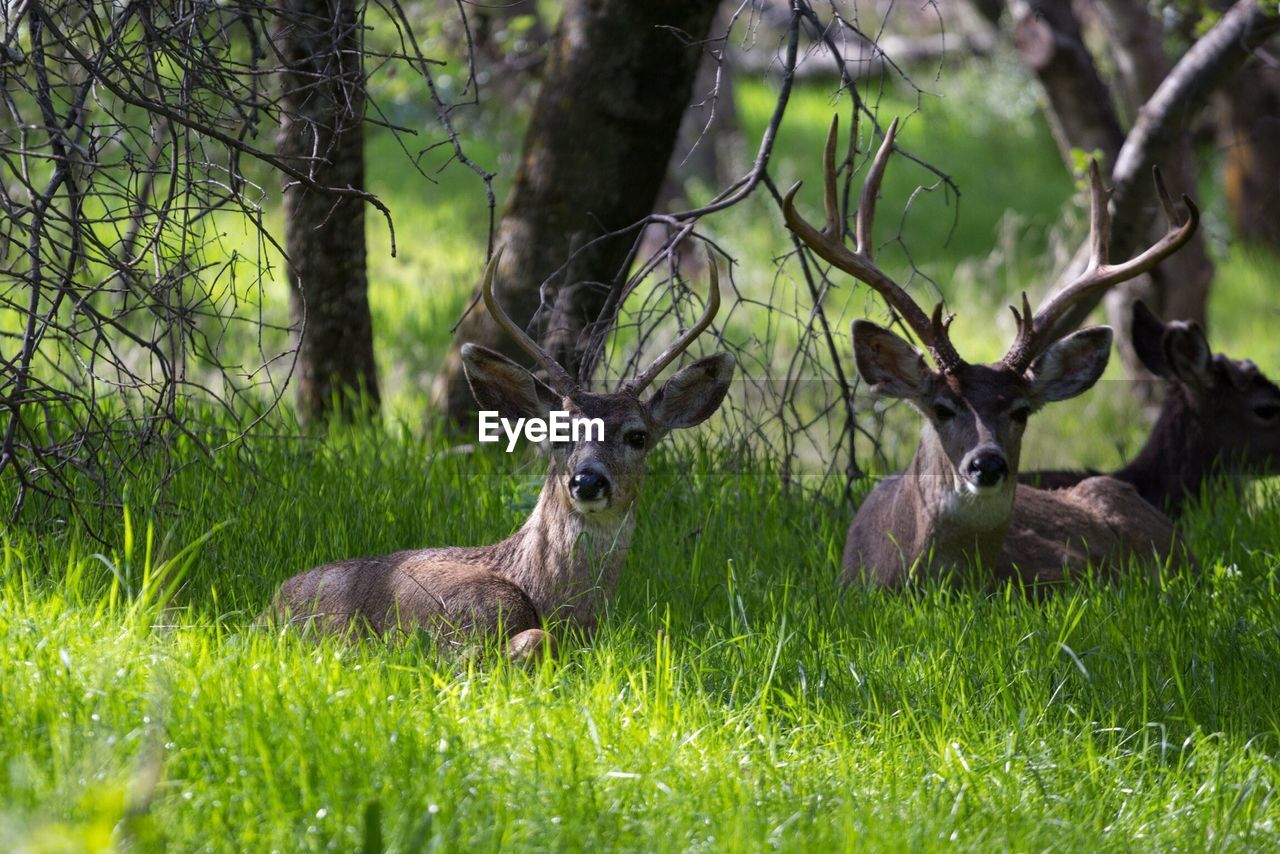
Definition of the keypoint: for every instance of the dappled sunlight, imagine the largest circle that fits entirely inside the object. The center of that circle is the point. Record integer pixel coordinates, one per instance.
(727, 647)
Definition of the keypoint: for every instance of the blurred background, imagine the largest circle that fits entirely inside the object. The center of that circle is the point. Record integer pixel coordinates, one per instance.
(247, 217)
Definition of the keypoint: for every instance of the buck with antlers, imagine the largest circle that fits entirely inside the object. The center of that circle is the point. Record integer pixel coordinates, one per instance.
(565, 560)
(1220, 416)
(958, 504)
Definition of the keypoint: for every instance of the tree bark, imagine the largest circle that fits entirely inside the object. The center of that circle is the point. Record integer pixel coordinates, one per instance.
(322, 132)
(602, 131)
(1250, 142)
(1080, 109)
(1166, 117)
(1179, 287)
(709, 148)
(1083, 115)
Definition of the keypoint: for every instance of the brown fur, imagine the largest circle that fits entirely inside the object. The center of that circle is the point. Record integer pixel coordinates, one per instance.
(1100, 522)
(1220, 416)
(932, 520)
(563, 563)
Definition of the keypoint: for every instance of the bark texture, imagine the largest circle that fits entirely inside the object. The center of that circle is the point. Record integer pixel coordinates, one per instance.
(322, 133)
(1080, 111)
(616, 84)
(1250, 141)
(1084, 115)
(1179, 287)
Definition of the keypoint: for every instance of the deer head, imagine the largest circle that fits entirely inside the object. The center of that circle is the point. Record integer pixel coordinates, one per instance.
(975, 414)
(1229, 407)
(565, 560)
(599, 480)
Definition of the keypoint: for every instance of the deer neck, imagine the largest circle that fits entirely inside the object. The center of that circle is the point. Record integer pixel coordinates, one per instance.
(567, 562)
(1177, 458)
(953, 524)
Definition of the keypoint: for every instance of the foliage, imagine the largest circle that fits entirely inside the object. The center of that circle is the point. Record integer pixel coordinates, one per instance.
(733, 700)
(136, 136)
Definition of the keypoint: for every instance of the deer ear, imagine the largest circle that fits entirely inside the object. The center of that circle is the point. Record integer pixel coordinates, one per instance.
(891, 366)
(500, 384)
(1071, 366)
(1187, 353)
(693, 393)
(1147, 332)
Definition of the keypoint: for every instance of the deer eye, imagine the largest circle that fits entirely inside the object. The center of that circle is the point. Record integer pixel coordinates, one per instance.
(943, 412)
(1267, 411)
(1021, 414)
(636, 438)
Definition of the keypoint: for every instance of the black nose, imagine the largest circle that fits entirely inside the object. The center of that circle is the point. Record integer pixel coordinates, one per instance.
(988, 469)
(588, 486)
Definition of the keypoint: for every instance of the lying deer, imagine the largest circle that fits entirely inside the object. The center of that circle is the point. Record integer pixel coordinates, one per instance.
(958, 504)
(1219, 416)
(565, 560)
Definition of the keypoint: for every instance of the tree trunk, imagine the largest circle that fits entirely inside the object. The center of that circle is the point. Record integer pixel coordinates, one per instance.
(709, 148)
(614, 89)
(1178, 289)
(321, 131)
(1080, 109)
(1250, 141)
(1082, 113)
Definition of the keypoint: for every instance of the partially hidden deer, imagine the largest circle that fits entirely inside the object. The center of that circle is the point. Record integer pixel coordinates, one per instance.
(958, 506)
(564, 562)
(1220, 417)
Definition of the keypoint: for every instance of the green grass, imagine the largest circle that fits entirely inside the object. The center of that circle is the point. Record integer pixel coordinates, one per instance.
(736, 697)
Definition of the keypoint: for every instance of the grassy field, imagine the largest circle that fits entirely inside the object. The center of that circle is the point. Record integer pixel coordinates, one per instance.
(735, 699)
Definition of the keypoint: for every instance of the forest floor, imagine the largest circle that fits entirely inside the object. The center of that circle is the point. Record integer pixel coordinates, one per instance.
(735, 698)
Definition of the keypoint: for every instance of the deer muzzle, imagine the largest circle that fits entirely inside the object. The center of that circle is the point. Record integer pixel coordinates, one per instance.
(985, 468)
(590, 490)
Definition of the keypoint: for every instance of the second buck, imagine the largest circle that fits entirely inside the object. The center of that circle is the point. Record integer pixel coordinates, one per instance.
(1221, 416)
(564, 562)
(958, 504)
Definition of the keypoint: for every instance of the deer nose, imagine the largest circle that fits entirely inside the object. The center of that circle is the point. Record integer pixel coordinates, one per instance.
(588, 486)
(987, 468)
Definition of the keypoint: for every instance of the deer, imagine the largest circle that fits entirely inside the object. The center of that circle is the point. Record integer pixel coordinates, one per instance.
(1220, 416)
(957, 508)
(564, 562)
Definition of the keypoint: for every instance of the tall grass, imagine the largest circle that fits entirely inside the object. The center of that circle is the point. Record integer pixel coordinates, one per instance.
(736, 698)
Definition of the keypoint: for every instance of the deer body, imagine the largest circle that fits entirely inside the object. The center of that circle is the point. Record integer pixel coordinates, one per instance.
(1101, 522)
(958, 505)
(920, 512)
(559, 565)
(1032, 536)
(1220, 416)
(938, 517)
(565, 561)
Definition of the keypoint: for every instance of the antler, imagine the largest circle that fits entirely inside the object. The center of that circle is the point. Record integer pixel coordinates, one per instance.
(1035, 334)
(829, 245)
(558, 376)
(682, 343)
